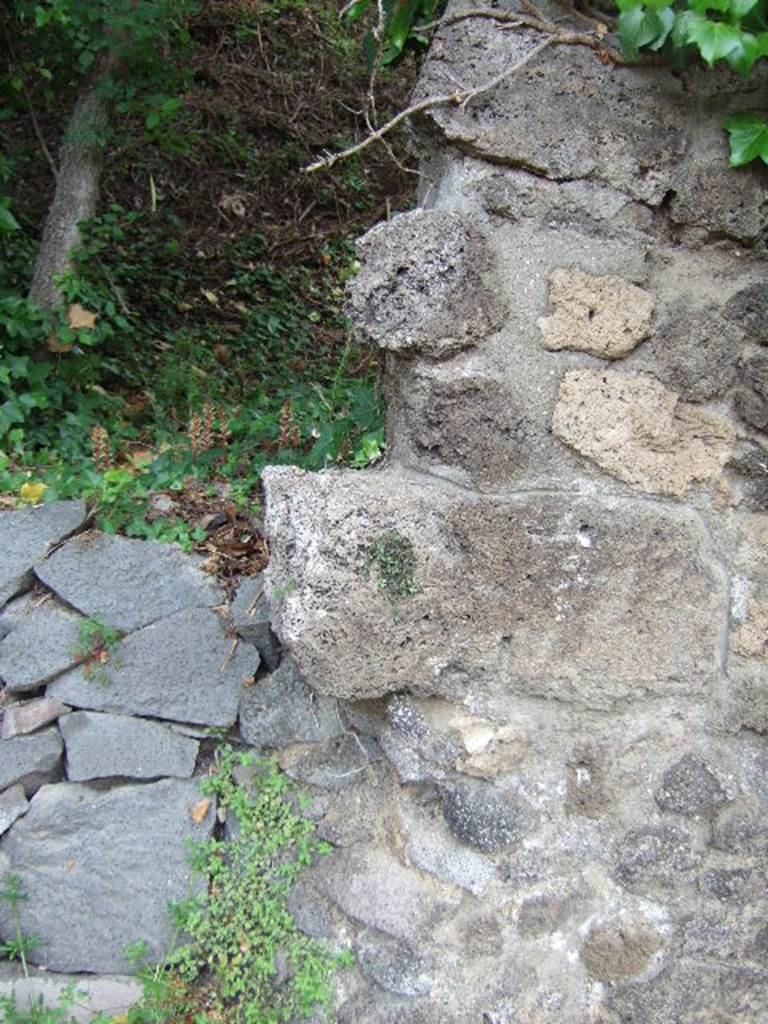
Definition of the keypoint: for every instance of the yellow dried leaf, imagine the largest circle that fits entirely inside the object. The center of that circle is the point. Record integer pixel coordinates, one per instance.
(32, 492)
(79, 318)
(53, 344)
(212, 297)
(200, 810)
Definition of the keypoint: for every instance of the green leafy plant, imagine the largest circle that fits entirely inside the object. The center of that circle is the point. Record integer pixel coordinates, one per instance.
(402, 21)
(394, 558)
(731, 31)
(96, 643)
(244, 957)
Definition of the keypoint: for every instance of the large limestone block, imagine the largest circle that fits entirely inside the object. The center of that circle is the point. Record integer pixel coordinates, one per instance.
(27, 535)
(589, 600)
(99, 868)
(127, 583)
(640, 432)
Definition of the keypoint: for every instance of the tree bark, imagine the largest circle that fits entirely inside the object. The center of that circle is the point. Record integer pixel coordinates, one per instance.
(81, 158)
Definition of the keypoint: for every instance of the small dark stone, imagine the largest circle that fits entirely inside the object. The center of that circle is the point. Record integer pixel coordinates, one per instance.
(742, 831)
(654, 857)
(749, 309)
(752, 408)
(393, 965)
(750, 465)
(482, 817)
(406, 719)
(690, 788)
(732, 885)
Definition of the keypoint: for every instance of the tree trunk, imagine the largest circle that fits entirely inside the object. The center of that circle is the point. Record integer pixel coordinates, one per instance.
(81, 157)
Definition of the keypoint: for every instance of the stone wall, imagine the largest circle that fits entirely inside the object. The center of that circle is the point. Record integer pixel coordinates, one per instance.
(549, 790)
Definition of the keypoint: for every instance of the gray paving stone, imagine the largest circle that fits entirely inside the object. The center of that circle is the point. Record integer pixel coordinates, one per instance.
(100, 746)
(183, 668)
(282, 709)
(112, 995)
(40, 647)
(13, 803)
(27, 535)
(126, 583)
(99, 868)
(30, 715)
(31, 760)
(251, 616)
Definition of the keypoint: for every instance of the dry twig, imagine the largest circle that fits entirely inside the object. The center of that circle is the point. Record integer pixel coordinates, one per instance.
(531, 19)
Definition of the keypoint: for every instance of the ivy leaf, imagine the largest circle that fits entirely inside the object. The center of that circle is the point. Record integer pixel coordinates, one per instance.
(702, 6)
(8, 222)
(639, 27)
(667, 18)
(740, 8)
(742, 57)
(749, 138)
(714, 39)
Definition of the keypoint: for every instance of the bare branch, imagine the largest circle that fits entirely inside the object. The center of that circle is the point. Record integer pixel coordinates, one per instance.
(460, 97)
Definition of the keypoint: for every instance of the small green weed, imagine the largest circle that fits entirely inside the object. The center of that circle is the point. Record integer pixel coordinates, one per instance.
(95, 644)
(245, 959)
(394, 559)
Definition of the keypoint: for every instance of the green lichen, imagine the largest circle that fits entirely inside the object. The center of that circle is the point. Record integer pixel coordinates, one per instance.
(394, 559)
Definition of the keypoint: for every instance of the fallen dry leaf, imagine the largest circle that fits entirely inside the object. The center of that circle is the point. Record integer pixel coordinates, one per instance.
(53, 344)
(200, 810)
(79, 318)
(212, 297)
(32, 492)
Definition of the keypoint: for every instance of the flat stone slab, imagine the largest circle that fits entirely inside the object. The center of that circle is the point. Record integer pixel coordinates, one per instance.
(110, 995)
(184, 668)
(591, 600)
(99, 868)
(29, 716)
(31, 760)
(27, 535)
(282, 709)
(100, 746)
(41, 647)
(126, 583)
(250, 615)
(13, 803)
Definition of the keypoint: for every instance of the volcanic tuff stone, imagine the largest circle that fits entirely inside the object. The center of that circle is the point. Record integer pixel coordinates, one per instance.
(593, 601)
(432, 300)
(606, 316)
(640, 432)
(31, 760)
(121, 853)
(100, 746)
(184, 668)
(42, 646)
(485, 818)
(690, 788)
(126, 583)
(26, 536)
(282, 709)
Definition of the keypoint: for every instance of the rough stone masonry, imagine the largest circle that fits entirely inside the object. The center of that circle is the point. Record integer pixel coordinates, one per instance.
(563, 817)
